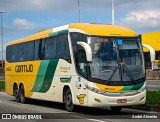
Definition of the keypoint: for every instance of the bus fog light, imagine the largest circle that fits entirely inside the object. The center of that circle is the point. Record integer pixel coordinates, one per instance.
(98, 100)
(142, 89)
(141, 99)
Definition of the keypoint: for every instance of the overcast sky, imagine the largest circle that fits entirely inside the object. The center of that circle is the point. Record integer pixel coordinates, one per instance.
(26, 17)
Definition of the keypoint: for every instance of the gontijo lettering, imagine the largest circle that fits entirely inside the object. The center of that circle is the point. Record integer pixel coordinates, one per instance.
(24, 68)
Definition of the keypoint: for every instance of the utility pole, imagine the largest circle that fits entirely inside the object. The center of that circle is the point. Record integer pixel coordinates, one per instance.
(112, 12)
(1, 12)
(78, 11)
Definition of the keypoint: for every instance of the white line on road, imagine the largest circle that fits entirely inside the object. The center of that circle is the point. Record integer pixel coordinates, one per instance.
(96, 120)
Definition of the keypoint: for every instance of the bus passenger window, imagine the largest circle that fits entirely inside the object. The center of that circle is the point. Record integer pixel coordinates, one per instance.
(39, 49)
(8, 53)
(29, 51)
(50, 49)
(63, 47)
(21, 52)
(14, 53)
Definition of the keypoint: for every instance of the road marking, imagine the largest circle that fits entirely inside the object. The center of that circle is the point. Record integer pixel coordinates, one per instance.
(96, 120)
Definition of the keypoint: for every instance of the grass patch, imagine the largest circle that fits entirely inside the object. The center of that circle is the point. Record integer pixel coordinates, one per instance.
(2, 86)
(153, 99)
(152, 102)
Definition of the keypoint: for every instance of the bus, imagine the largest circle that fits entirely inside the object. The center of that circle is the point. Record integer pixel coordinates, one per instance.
(81, 64)
(152, 39)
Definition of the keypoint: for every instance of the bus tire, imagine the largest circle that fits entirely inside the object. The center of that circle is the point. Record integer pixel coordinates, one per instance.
(116, 108)
(68, 101)
(22, 95)
(16, 93)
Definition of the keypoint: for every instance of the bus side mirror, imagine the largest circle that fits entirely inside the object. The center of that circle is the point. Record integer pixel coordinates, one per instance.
(87, 49)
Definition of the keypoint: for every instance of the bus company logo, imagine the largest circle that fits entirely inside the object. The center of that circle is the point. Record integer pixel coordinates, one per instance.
(81, 98)
(24, 68)
(8, 69)
(64, 69)
(109, 89)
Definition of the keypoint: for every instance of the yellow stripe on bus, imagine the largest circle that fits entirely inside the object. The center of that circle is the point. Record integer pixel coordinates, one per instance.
(109, 88)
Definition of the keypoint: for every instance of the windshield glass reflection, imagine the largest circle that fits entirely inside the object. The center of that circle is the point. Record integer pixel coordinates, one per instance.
(116, 59)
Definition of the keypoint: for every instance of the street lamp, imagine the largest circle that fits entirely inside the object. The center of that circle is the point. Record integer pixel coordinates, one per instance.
(112, 12)
(78, 11)
(1, 12)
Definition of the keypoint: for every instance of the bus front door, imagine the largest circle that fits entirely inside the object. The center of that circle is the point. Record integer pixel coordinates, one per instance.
(81, 91)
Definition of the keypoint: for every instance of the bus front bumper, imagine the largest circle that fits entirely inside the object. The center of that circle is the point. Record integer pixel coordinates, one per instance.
(97, 100)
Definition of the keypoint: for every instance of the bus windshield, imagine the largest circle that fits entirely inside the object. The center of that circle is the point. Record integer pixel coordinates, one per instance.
(116, 59)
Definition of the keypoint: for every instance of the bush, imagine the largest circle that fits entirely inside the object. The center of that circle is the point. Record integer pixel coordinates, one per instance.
(153, 99)
(2, 86)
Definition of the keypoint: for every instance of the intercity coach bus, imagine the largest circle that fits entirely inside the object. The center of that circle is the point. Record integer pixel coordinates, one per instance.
(78, 64)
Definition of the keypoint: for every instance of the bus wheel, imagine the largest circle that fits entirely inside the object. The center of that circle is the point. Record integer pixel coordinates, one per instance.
(21, 94)
(116, 108)
(16, 93)
(68, 101)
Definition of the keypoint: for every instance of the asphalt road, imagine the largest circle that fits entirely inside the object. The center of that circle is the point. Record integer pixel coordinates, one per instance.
(57, 112)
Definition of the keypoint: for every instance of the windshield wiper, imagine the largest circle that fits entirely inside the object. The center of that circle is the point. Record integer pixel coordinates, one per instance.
(128, 73)
(114, 71)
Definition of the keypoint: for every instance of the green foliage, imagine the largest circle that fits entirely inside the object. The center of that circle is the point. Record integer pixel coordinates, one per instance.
(153, 99)
(2, 86)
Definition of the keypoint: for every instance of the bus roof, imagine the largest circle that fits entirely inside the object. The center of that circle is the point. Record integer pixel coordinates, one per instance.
(104, 29)
(89, 29)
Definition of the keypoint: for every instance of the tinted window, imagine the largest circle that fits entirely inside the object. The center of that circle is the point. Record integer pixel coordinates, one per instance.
(39, 49)
(79, 57)
(14, 52)
(50, 51)
(49, 48)
(21, 52)
(36, 48)
(63, 47)
(8, 53)
(29, 51)
(75, 37)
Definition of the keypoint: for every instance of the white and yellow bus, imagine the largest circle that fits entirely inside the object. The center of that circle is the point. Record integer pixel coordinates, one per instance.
(152, 39)
(78, 64)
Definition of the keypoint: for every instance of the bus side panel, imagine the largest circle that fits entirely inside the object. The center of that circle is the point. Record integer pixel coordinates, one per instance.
(47, 82)
(21, 73)
(9, 78)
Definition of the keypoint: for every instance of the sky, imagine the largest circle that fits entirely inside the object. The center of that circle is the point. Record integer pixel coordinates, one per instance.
(25, 17)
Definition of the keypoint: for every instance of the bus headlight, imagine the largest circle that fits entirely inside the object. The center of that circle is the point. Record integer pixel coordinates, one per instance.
(94, 89)
(143, 88)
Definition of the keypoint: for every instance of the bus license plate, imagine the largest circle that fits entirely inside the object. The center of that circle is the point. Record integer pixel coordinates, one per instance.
(122, 101)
